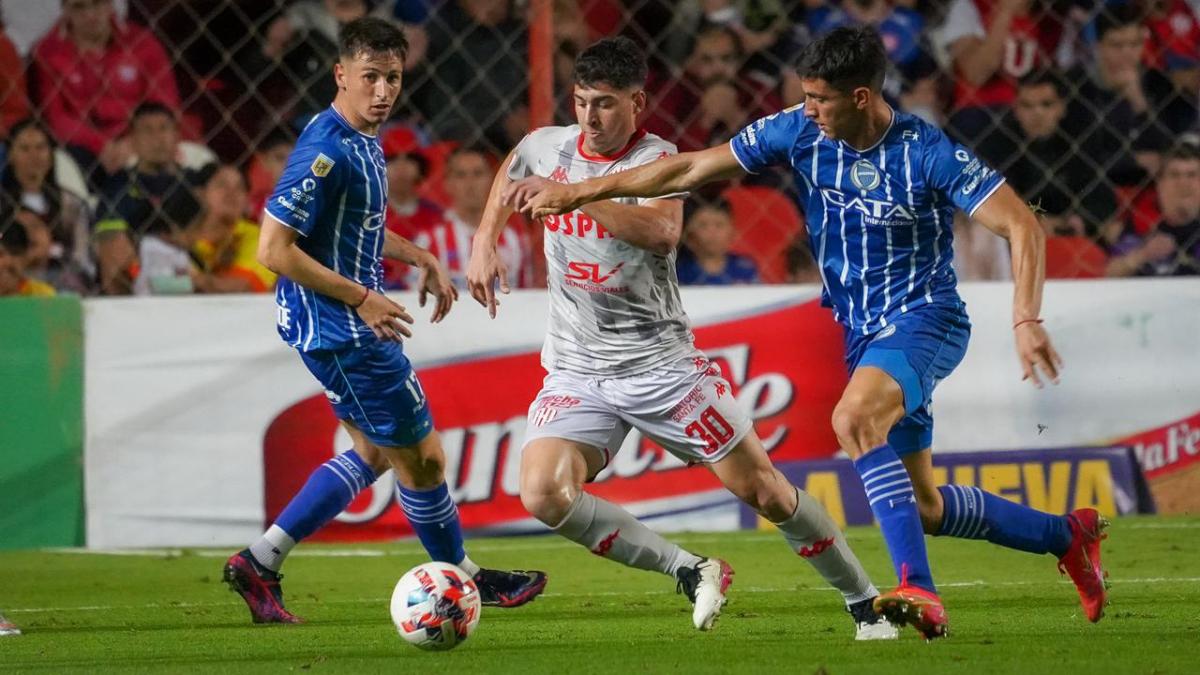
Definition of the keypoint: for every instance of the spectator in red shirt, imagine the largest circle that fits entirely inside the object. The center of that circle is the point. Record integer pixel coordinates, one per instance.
(407, 213)
(14, 103)
(469, 173)
(713, 99)
(1174, 31)
(992, 45)
(92, 71)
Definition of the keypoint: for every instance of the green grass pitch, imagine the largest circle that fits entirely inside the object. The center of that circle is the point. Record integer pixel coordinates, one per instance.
(1009, 612)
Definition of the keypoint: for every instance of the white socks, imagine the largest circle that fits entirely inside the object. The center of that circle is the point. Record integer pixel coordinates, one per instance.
(612, 532)
(814, 536)
(272, 548)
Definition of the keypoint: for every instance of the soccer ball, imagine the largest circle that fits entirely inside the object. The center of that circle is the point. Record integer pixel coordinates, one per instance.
(435, 606)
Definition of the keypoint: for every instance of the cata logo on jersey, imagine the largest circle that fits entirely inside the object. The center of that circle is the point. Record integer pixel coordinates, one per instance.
(783, 364)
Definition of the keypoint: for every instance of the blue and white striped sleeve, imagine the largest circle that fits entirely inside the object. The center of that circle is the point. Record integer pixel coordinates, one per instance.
(956, 173)
(768, 141)
(310, 182)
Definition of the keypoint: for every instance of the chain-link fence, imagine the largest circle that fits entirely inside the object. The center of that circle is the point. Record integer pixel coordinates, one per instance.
(1087, 108)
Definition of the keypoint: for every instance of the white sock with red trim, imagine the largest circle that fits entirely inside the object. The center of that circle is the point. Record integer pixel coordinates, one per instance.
(611, 532)
(814, 536)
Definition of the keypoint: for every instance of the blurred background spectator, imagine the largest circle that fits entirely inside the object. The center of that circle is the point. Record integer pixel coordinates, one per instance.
(705, 258)
(469, 174)
(224, 243)
(57, 219)
(1172, 246)
(131, 101)
(14, 247)
(91, 72)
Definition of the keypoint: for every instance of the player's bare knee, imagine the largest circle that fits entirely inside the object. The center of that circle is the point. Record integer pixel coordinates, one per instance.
(546, 499)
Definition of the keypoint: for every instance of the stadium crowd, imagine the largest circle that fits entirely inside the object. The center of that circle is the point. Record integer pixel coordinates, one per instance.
(141, 137)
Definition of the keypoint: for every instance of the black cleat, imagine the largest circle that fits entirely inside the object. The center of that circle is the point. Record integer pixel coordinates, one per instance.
(509, 589)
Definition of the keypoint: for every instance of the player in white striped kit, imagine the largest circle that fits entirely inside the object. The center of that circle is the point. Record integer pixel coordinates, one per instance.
(619, 354)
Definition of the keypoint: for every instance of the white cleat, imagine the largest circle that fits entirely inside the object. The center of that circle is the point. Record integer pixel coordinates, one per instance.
(705, 585)
(880, 630)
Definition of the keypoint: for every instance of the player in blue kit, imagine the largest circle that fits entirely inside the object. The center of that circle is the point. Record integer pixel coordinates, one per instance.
(323, 234)
(879, 189)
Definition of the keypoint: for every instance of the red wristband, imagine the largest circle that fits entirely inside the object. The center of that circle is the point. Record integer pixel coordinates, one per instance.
(366, 292)
(1027, 321)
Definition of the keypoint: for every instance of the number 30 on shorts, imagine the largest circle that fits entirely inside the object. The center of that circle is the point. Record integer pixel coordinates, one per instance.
(710, 428)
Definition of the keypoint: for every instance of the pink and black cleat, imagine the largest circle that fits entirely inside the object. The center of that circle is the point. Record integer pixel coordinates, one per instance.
(1082, 561)
(259, 587)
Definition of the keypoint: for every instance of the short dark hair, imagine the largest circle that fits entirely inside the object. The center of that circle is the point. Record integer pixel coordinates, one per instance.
(147, 108)
(847, 58)
(371, 35)
(1116, 17)
(616, 62)
(695, 205)
(488, 156)
(1046, 76)
(13, 237)
(1183, 151)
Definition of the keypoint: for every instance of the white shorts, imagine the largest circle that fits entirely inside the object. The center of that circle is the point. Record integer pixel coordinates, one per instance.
(687, 407)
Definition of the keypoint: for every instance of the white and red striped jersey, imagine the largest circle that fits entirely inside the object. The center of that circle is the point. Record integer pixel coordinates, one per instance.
(450, 239)
(614, 308)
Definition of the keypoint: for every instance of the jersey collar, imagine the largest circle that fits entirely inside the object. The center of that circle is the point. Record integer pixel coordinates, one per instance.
(346, 123)
(637, 136)
(882, 137)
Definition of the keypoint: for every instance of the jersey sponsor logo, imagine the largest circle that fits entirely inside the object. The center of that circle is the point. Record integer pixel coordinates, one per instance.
(322, 165)
(592, 277)
(864, 175)
(689, 404)
(333, 397)
(308, 185)
(577, 224)
(886, 332)
(976, 173)
(559, 175)
(873, 211)
(283, 317)
(549, 406)
(910, 135)
(373, 222)
(291, 207)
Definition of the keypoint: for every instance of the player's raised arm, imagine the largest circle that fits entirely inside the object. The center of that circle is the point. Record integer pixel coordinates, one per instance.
(433, 277)
(669, 175)
(485, 266)
(277, 250)
(1008, 216)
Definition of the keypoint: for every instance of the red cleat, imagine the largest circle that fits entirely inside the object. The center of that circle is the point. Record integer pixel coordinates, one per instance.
(914, 606)
(1082, 561)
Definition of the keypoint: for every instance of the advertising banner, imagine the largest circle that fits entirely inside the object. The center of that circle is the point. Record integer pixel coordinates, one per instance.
(41, 422)
(1055, 481)
(197, 404)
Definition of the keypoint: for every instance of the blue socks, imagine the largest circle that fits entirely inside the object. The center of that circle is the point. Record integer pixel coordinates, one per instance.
(971, 513)
(890, 492)
(329, 490)
(434, 517)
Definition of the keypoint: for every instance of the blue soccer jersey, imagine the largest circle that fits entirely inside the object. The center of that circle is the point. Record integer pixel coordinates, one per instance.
(333, 191)
(880, 220)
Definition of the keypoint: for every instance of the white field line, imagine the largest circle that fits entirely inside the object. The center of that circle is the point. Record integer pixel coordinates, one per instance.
(597, 594)
(549, 543)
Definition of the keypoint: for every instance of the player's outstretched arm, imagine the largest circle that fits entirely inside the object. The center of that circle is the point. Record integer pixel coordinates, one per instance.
(277, 250)
(1008, 216)
(485, 268)
(434, 279)
(669, 175)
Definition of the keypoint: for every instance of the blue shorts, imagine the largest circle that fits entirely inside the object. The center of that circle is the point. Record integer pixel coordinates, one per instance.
(375, 388)
(918, 350)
